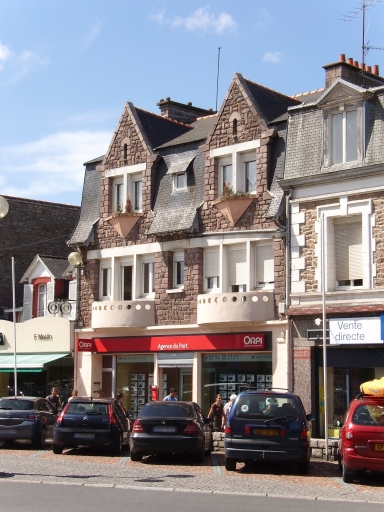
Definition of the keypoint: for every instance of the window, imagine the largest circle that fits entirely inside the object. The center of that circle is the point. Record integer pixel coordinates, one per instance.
(106, 283)
(234, 127)
(238, 172)
(264, 266)
(237, 269)
(178, 269)
(344, 137)
(42, 300)
(148, 278)
(126, 183)
(125, 151)
(212, 270)
(126, 285)
(227, 176)
(348, 251)
(118, 195)
(250, 176)
(179, 180)
(137, 192)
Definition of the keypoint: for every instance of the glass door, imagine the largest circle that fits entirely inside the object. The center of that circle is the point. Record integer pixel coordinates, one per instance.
(185, 384)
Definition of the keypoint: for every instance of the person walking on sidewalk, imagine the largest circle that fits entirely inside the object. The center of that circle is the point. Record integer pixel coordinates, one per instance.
(217, 413)
(172, 395)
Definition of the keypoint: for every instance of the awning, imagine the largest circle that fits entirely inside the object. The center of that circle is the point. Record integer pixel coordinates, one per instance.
(27, 362)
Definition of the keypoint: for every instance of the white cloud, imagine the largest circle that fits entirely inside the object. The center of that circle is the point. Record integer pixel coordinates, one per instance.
(5, 54)
(272, 57)
(202, 20)
(91, 36)
(51, 166)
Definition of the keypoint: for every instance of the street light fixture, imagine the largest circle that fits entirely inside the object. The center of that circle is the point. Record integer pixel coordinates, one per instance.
(4, 207)
(76, 259)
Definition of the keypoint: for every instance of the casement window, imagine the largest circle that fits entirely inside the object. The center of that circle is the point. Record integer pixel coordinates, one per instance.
(126, 184)
(118, 195)
(179, 180)
(148, 278)
(105, 283)
(126, 282)
(237, 269)
(238, 172)
(249, 176)
(178, 269)
(137, 191)
(348, 251)
(226, 176)
(264, 271)
(344, 137)
(42, 300)
(212, 270)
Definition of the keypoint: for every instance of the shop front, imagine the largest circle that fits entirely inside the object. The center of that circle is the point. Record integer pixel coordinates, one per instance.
(199, 366)
(44, 359)
(355, 354)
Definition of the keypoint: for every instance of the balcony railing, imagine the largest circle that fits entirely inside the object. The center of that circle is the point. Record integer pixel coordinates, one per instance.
(256, 306)
(135, 313)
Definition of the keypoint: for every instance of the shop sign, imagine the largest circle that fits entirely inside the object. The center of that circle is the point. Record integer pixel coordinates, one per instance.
(198, 342)
(355, 331)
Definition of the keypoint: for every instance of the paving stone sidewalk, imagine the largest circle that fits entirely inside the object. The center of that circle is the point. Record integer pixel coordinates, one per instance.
(177, 473)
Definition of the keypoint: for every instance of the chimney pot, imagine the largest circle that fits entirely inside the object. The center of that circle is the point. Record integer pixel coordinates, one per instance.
(369, 69)
(356, 63)
(350, 61)
(376, 70)
(362, 66)
(342, 57)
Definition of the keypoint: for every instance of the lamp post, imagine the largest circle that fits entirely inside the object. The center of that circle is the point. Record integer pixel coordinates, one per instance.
(325, 378)
(76, 259)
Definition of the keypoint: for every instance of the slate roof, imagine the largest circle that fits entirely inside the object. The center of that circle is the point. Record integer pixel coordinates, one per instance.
(58, 267)
(201, 129)
(160, 129)
(277, 171)
(90, 209)
(176, 210)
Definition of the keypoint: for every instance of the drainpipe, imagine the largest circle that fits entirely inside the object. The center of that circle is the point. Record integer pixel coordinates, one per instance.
(288, 285)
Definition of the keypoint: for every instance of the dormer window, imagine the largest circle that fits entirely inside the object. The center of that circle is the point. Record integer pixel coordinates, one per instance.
(344, 137)
(179, 180)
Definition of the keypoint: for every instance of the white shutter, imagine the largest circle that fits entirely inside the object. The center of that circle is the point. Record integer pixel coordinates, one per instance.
(237, 266)
(264, 264)
(50, 295)
(27, 302)
(72, 296)
(211, 264)
(348, 248)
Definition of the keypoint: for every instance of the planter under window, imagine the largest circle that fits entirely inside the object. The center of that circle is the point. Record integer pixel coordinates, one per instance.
(123, 223)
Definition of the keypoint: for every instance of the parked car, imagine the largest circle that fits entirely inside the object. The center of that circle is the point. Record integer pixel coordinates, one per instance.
(171, 427)
(361, 437)
(267, 425)
(92, 422)
(26, 417)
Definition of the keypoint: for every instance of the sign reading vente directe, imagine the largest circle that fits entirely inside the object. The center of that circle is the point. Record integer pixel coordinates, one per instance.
(356, 331)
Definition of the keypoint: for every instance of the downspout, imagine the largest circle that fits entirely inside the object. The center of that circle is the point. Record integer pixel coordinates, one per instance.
(288, 285)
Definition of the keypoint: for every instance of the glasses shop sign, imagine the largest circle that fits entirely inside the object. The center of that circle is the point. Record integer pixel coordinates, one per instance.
(356, 331)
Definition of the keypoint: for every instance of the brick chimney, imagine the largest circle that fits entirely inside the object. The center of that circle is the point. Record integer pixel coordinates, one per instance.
(181, 112)
(351, 71)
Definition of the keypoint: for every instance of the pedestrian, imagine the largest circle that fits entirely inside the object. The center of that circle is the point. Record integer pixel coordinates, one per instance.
(74, 394)
(54, 399)
(172, 395)
(228, 406)
(217, 413)
(100, 394)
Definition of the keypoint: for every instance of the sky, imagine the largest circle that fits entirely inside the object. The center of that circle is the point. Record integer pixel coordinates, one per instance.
(67, 68)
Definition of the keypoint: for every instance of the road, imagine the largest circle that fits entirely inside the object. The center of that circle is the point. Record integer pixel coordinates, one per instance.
(94, 475)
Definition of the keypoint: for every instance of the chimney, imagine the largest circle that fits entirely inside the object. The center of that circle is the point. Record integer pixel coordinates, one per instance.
(184, 113)
(352, 72)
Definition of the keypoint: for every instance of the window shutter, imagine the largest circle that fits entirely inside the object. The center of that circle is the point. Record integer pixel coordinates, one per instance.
(50, 295)
(264, 264)
(27, 302)
(72, 290)
(211, 264)
(348, 249)
(237, 264)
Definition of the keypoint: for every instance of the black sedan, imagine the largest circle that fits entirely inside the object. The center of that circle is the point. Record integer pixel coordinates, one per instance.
(26, 417)
(171, 427)
(92, 422)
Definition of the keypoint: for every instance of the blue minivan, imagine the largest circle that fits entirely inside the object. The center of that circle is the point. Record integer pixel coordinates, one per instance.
(268, 425)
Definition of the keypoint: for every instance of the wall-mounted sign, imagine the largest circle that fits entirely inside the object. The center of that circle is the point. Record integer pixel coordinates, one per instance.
(197, 342)
(355, 331)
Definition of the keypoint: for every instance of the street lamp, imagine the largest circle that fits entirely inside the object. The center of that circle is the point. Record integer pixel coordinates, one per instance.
(76, 260)
(4, 207)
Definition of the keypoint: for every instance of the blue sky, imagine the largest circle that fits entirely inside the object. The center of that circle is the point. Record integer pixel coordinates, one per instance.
(67, 68)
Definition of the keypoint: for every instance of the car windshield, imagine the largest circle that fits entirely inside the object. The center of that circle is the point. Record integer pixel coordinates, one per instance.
(87, 408)
(265, 407)
(166, 410)
(372, 415)
(23, 405)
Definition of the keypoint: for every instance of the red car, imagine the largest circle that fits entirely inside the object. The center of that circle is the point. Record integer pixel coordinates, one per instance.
(361, 439)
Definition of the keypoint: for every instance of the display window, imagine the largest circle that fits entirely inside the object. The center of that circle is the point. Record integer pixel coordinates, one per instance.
(229, 374)
(134, 378)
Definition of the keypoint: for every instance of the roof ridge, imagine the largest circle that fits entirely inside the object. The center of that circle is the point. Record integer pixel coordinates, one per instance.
(206, 117)
(164, 118)
(52, 257)
(267, 88)
(40, 201)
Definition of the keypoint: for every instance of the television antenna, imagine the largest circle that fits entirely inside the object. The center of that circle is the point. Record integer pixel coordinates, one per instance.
(365, 47)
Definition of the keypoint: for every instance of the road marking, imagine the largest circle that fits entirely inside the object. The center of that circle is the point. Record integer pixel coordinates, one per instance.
(215, 465)
(123, 461)
(337, 479)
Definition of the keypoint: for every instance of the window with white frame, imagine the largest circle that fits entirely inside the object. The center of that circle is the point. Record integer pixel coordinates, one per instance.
(249, 176)
(344, 137)
(264, 265)
(136, 191)
(118, 194)
(126, 184)
(237, 268)
(42, 300)
(211, 270)
(348, 251)
(105, 282)
(126, 282)
(148, 278)
(179, 180)
(178, 269)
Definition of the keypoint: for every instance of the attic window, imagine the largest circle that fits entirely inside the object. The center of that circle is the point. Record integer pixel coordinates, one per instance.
(234, 127)
(125, 151)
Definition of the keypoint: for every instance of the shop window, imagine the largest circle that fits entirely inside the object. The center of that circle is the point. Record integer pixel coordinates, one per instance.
(178, 269)
(42, 300)
(265, 274)
(237, 269)
(212, 270)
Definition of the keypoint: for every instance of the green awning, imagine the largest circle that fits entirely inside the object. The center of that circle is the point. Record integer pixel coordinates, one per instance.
(27, 362)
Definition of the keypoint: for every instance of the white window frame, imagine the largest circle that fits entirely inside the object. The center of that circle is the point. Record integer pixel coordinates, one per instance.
(106, 274)
(344, 136)
(344, 209)
(242, 268)
(175, 177)
(151, 277)
(123, 265)
(118, 185)
(214, 280)
(132, 180)
(265, 284)
(178, 259)
(129, 175)
(42, 297)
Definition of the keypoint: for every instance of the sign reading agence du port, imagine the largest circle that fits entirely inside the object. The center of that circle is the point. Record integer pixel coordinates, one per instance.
(355, 331)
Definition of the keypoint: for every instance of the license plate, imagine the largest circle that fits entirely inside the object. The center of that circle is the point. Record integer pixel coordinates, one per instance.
(265, 431)
(8, 431)
(161, 428)
(84, 436)
(379, 447)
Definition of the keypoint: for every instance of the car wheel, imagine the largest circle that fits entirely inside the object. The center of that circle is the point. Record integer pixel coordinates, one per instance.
(117, 448)
(304, 467)
(347, 475)
(57, 449)
(136, 456)
(230, 464)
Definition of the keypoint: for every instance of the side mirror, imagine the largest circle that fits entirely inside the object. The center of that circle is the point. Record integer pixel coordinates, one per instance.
(310, 417)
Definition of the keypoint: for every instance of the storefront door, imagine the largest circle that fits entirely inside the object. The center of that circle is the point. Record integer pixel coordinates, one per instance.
(185, 384)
